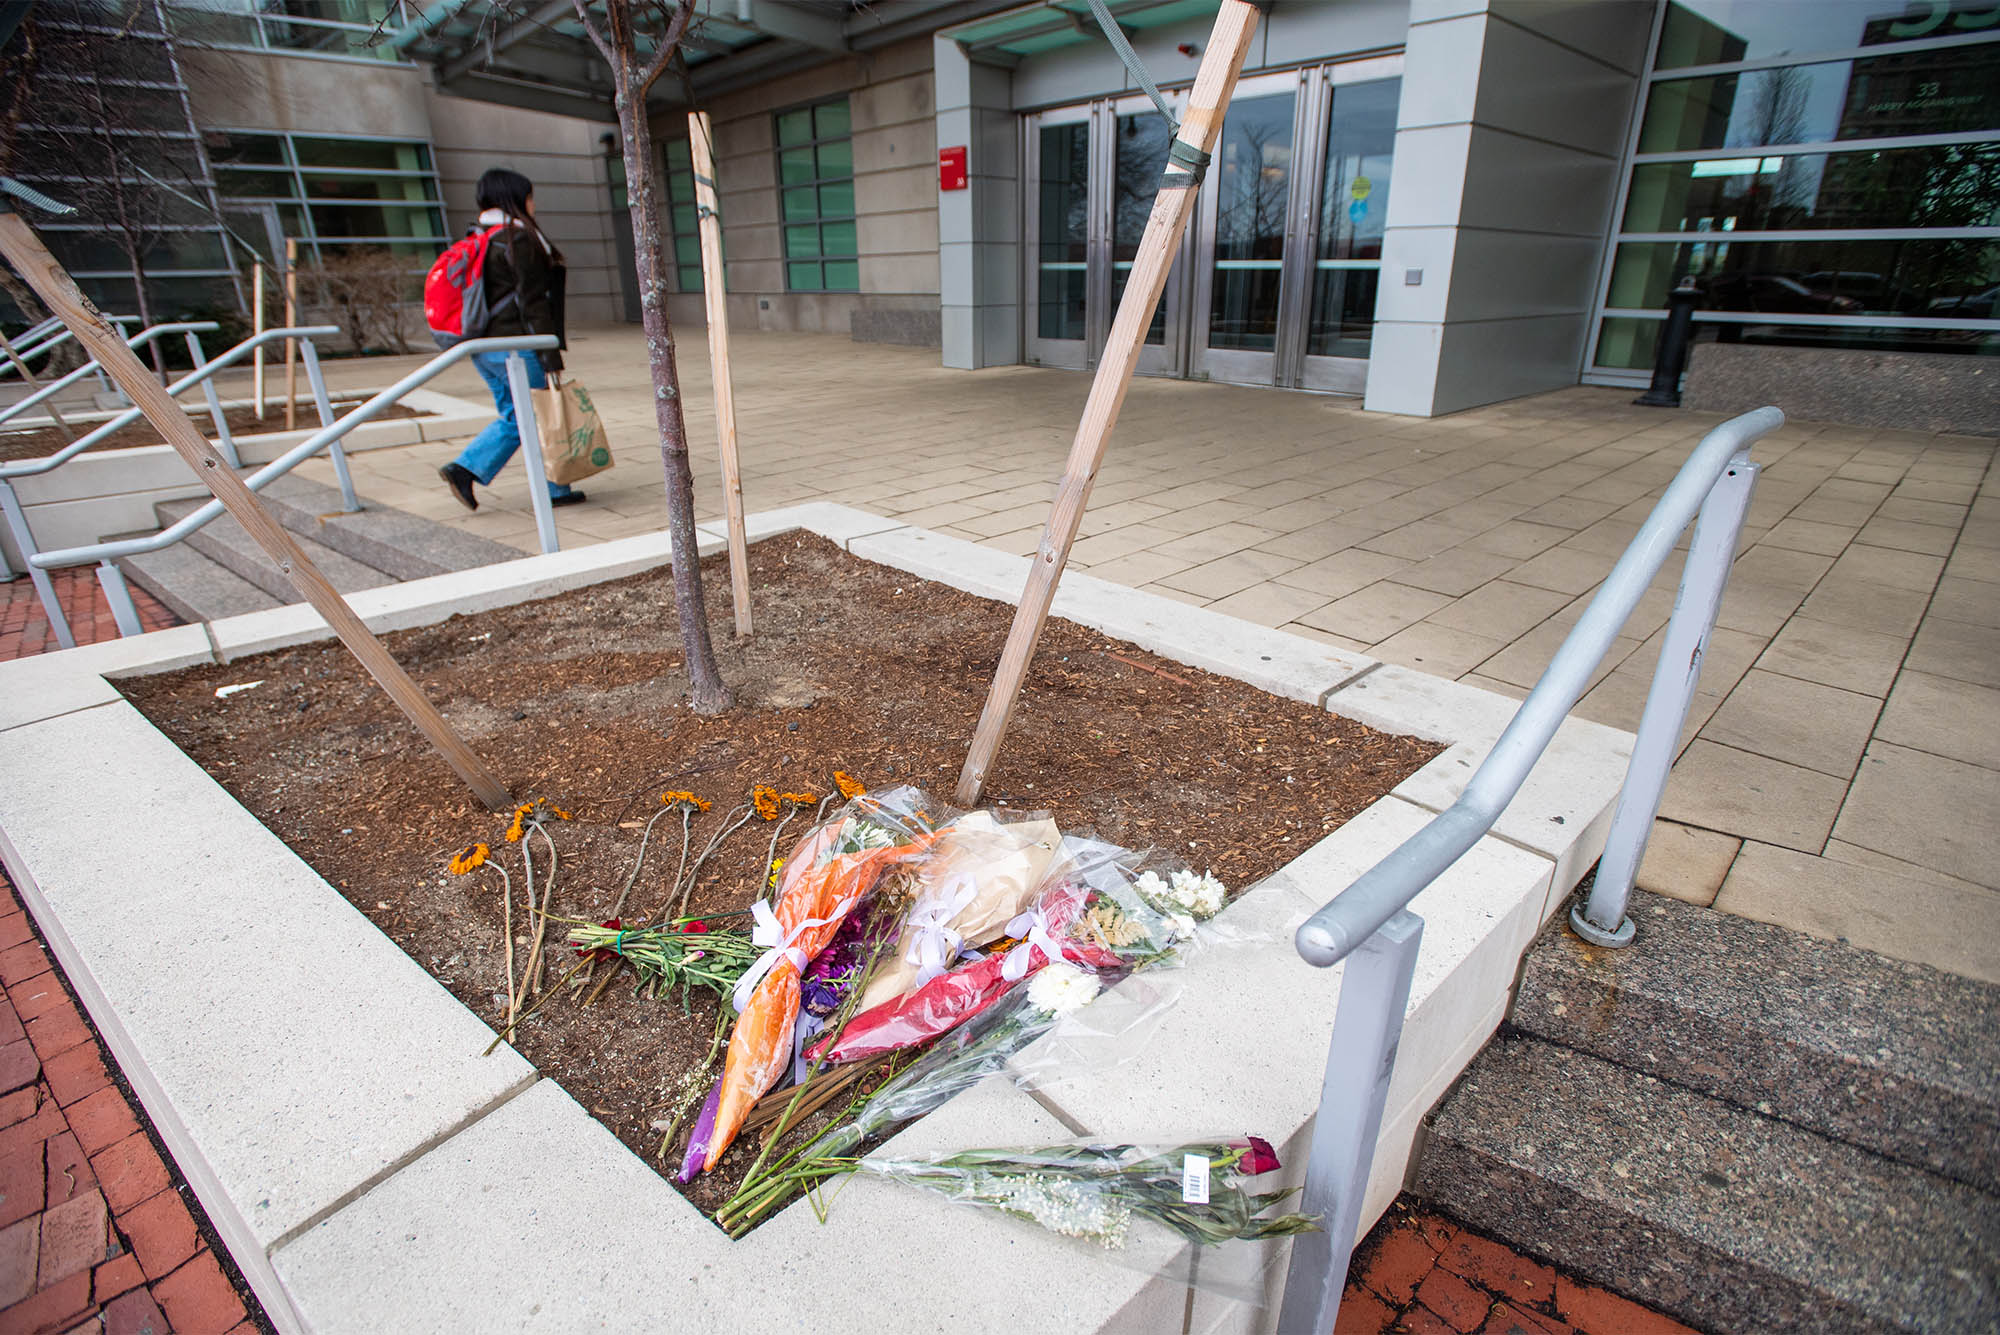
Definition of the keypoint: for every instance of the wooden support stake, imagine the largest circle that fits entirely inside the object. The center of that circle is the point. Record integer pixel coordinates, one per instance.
(1208, 101)
(291, 322)
(257, 327)
(31, 259)
(716, 298)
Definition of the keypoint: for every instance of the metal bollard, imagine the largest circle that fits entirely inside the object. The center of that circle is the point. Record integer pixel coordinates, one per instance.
(1672, 361)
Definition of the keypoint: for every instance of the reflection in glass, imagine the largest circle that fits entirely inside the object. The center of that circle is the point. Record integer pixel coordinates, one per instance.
(1063, 215)
(1631, 344)
(1141, 159)
(1950, 185)
(1714, 32)
(1937, 279)
(1252, 174)
(1354, 201)
(1950, 91)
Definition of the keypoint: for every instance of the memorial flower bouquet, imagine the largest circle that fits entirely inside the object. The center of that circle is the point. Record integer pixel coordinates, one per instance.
(1200, 1190)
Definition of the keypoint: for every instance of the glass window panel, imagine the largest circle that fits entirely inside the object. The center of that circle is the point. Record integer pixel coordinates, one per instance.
(838, 238)
(375, 154)
(1715, 32)
(1059, 303)
(685, 219)
(795, 127)
(804, 277)
(1156, 332)
(802, 242)
(836, 200)
(800, 204)
(1360, 150)
(338, 220)
(1629, 344)
(1141, 158)
(1343, 312)
(795, 166)
(832, 119)
(1954, 185)
(1252, 175)
(680, 157)
(238, 184)
(246, 148)
(690, 277)
(836, 159)
(687, 250)
(1901, 277)
(843, 276)
(412, 189)
(1947, 91)
(1063, 200)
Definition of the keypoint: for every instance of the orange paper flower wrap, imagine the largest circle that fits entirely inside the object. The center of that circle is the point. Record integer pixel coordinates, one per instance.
(812, 900)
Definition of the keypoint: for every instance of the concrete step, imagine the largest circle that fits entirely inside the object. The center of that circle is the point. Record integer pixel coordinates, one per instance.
(1725, 1218)
(393, 541)
(1892, 1057)
(225, 542)
(194, 587)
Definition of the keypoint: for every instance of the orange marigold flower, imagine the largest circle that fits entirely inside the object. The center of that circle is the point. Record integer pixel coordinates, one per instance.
(850, 787)
(466, 859)
(799, 799)
(688, 800)
(559, 811)
(765, 799)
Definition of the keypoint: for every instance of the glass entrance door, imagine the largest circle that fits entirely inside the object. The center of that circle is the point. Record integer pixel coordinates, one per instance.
(1276, 279)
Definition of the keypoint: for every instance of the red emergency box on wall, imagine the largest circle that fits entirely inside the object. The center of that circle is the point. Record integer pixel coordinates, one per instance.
(951, 168)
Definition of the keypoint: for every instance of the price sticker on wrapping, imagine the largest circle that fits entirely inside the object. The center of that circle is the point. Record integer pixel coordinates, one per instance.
(1194, 1179)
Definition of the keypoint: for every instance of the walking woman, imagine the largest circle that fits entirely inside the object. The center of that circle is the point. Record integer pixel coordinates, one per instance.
(524, 281)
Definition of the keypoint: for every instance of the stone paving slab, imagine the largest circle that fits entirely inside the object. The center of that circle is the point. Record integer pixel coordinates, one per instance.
(32, 689)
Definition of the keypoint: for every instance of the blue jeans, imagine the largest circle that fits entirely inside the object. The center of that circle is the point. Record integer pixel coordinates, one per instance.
(493, 447)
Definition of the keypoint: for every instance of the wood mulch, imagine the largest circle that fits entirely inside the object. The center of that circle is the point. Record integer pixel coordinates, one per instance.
(579, 699)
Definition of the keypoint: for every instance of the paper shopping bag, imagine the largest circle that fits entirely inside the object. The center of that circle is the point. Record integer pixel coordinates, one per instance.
(573, 441)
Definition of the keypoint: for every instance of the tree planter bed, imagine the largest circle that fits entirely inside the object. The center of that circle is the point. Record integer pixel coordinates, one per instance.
(371, 1171)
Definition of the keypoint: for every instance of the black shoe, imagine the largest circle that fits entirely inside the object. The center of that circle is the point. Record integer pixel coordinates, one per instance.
(567, 498)
(460, 480)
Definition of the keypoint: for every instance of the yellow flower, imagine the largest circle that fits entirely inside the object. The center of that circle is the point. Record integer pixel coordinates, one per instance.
(686, 799)
(765, 799)
(777, 865)
(466, 859)
(850, 787)
(559, 811)
(799, 799)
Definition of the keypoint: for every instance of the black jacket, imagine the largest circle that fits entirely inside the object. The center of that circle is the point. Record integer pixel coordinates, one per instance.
(518, 265)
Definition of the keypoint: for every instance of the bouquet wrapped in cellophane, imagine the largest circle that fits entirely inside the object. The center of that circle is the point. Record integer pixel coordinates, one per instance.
(1201, 1190)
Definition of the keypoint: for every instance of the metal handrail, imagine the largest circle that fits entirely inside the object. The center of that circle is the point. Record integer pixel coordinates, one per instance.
(1369, 926)
(41, 339)
(298, 454)
(193, 379)
(144, 336)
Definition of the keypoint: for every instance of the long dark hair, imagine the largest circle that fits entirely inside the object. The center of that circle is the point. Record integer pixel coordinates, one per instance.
(507, 190)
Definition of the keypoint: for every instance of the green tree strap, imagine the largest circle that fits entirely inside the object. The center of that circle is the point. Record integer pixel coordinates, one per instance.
(1180, 153)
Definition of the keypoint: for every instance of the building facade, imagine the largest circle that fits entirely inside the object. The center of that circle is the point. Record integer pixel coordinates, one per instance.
(1431, 204)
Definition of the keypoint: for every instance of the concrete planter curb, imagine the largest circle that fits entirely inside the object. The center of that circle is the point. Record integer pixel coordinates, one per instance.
(366, 1167)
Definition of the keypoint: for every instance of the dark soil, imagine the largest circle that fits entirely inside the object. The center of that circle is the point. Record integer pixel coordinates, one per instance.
(43, 441)
(580, 699)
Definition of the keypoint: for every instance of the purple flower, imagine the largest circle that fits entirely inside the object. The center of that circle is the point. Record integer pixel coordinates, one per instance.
(835, 971)
(704, 1131)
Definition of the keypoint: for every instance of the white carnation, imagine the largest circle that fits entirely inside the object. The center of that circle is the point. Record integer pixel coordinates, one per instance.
(1181, 925)
(1155, 891)
(1061, 988)
(1209, 897)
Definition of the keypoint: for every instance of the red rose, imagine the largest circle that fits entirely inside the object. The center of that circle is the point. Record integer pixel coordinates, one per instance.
(694, 928)
(1260, 1158)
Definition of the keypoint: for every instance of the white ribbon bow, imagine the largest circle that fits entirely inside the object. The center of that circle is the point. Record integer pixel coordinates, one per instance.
(1033, 926)
(934, 944)
(778, 945)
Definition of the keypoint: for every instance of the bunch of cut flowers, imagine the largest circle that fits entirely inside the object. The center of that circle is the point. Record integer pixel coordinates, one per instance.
(680, 955)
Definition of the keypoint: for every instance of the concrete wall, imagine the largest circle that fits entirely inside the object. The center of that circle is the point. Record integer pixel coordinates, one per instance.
(242, 90)
(1513, 118)
(895, 197)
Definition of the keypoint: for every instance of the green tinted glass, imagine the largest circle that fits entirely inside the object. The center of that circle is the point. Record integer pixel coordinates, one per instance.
(803, 277)
(799, 205)
(795, 127)
(795, 166)
(837, 238)
(679, 156)
(836, 159)
(802, 242)
(831, 119)
(836, 200)
(843, 276)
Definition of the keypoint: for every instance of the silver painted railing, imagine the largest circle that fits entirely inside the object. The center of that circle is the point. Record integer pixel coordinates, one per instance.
(126, 614)
(135, 342)
(42, 339)
(1369, 925)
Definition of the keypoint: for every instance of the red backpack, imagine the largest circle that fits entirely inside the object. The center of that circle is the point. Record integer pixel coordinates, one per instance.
(455, 290)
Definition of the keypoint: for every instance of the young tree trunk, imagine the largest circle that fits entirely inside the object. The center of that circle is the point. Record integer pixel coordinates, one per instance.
(707, 693)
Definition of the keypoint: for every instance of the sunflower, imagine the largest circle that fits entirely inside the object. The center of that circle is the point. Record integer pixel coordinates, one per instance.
(766, 800)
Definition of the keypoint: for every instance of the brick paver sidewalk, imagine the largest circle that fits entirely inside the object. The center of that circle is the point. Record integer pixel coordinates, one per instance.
(24, 628)
(1420, 1274)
